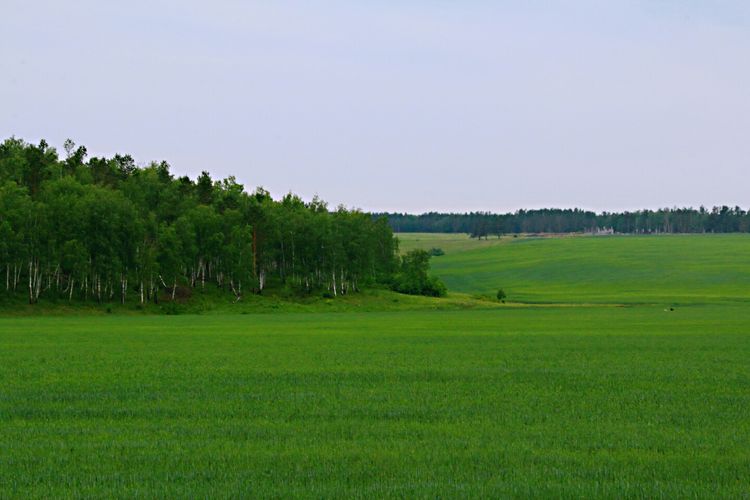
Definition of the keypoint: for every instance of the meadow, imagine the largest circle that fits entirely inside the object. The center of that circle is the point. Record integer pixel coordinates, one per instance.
(592, 390)
(664, 269)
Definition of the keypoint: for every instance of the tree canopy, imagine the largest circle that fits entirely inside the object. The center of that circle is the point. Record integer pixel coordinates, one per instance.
(721, 219)
(106, 229)
(413, 276)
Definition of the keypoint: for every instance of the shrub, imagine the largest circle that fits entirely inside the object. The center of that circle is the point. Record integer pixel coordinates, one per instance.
(436, 252)
(171, 308)
(435, 287)
(501, 295)
(413, 278)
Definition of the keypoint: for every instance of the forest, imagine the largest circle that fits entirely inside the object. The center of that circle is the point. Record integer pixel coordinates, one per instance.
(722, 219)
(106, 229)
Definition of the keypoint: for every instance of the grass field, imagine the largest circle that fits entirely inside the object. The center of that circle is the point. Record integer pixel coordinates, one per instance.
(676, 269)
(522, 400)
(544, 402)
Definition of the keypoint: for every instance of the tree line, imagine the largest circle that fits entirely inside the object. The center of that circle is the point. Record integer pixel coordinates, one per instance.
(552, 220)
(106, 229)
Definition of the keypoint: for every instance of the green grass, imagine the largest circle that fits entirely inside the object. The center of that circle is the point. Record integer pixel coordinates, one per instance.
(544, 402)
(618, 269)
(450, 242)
(214, 301)
(386, 395)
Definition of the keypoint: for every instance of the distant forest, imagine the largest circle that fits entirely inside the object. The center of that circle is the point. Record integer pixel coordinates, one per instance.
(106, 229)
(667, 220)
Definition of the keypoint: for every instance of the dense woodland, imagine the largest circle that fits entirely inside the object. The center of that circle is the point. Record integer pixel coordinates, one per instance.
(668, 220)
(106, 229)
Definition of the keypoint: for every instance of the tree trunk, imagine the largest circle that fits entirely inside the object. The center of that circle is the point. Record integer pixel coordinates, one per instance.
(38, 283)
(31, 285)
(255, 254)
(236, 291)
(35, 282)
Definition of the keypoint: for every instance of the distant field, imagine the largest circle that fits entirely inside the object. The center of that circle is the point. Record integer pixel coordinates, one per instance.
(545, 402)
(450, 242)
(670, 269)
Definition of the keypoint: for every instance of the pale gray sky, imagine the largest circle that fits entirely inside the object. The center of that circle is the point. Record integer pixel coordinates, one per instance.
(408, 105)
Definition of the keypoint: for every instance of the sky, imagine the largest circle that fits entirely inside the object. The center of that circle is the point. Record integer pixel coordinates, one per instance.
(408, 106)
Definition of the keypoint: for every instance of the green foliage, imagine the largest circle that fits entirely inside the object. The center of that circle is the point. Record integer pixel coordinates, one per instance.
(501, 296)
(105, 229)
(719, 219)
(413, 276)
(436, 252)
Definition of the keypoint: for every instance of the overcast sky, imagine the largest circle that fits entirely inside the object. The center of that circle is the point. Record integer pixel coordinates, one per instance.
(408, 105)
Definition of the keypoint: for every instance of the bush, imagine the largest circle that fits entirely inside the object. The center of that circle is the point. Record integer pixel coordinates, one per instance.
(501, 295)
(171, 308)
(436, 252)
(413, 279)
(435, 287)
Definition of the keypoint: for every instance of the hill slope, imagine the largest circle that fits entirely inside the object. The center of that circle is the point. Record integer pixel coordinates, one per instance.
(617, 269)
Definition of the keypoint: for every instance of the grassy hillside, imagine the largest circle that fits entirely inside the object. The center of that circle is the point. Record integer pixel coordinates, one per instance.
(213, 301)
(547, 402)
(617, 269)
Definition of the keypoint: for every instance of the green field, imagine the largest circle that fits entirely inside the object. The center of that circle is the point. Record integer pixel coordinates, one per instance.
(675, 269)
(605, 394)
